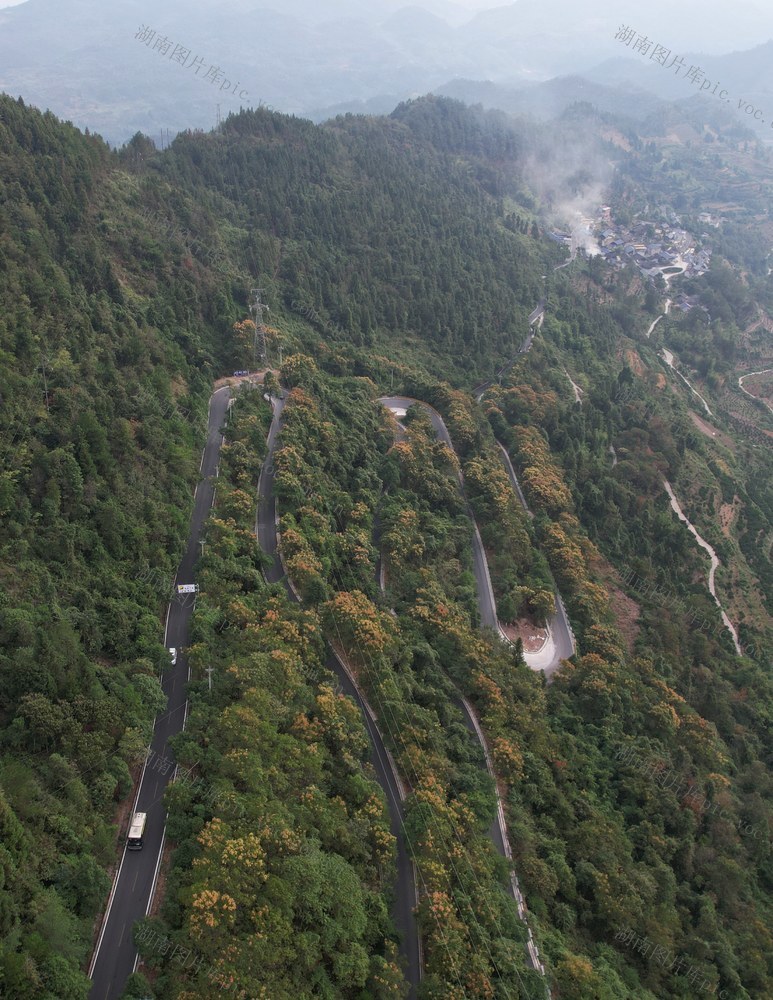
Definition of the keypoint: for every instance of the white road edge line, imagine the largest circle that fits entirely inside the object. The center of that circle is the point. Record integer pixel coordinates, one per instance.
(105, 919)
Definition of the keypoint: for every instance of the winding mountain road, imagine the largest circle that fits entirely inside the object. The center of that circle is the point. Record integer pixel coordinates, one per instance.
(765, 371)
(655, 322)
(668, 357)
(537, 315)
(560, 644)
(115, 956)
(398, 406)
(501, 840)
(715, 562)
(386, 773)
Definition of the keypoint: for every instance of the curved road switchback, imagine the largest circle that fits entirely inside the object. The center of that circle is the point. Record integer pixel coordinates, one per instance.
(405, 892)
(560, 642)
(398, 406)
(115, 956)
(765, 371)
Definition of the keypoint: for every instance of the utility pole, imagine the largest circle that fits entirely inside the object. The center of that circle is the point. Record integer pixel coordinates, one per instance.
(259, 343)
(45, 379)
(209, 671)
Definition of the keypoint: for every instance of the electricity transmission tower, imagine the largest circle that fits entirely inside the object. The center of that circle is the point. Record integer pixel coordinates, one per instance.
(259, 343)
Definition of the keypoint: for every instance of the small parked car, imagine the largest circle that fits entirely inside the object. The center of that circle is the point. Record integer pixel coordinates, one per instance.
(173, 654)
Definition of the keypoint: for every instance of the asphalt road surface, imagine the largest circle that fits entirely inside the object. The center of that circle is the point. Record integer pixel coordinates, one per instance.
(115, 956)
(538, 311)
(499, 837)
(535, 316)
(488, 608)
(526, 345)
(513, 478)
(487, 605)
(405, 887)
(562, 644)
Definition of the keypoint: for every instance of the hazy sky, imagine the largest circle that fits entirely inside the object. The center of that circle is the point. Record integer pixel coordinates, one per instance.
(472, 4)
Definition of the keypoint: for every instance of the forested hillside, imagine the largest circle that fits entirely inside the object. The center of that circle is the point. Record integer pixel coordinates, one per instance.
(398, 254)
(104, 386)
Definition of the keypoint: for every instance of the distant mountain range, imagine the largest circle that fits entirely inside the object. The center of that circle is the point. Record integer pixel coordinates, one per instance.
(636, 90)
(82, 59)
